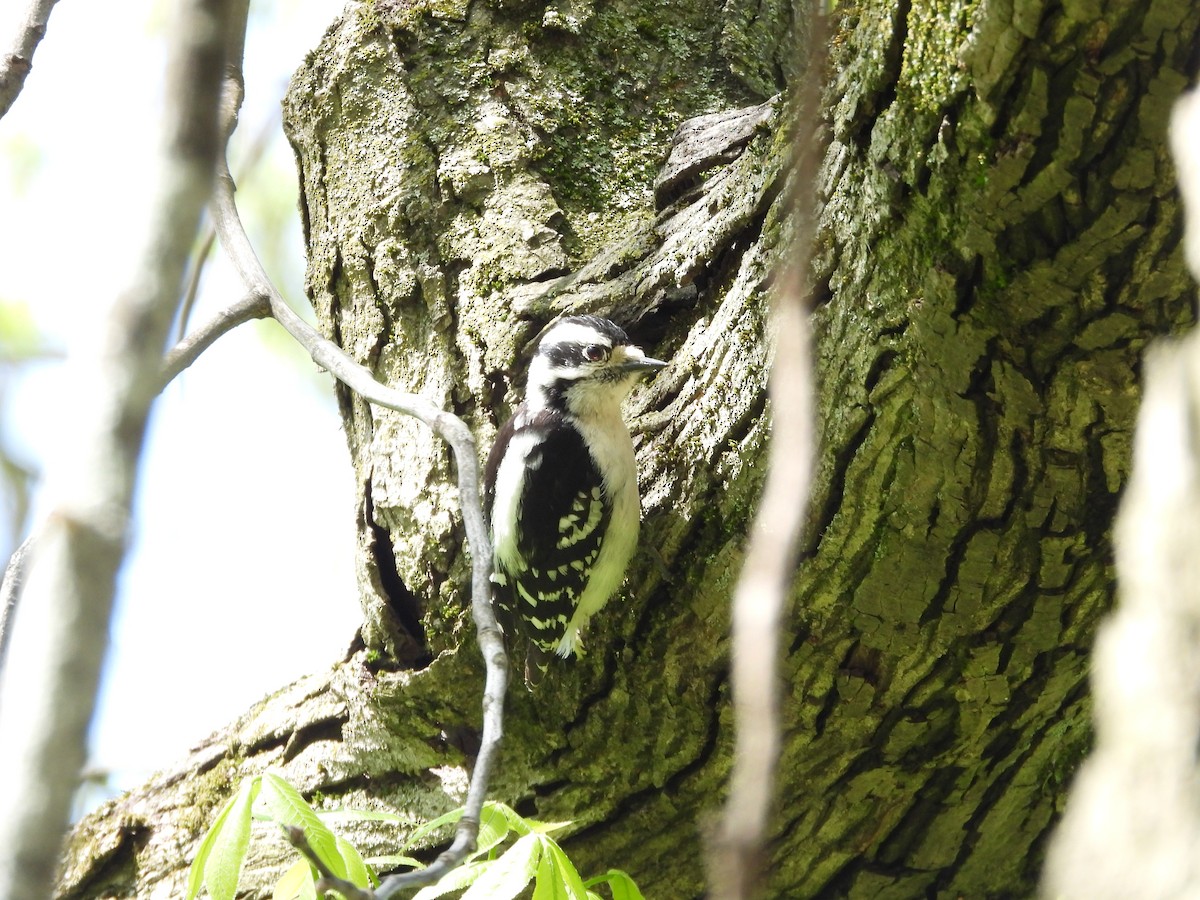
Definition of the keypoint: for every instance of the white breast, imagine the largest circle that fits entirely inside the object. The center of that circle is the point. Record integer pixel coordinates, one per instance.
(612, 449)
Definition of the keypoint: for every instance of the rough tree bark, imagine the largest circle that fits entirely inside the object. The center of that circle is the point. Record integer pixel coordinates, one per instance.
(1132, 820)
(1000, 239)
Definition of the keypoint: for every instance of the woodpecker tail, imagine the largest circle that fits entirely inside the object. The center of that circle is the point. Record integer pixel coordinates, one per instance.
(537, 661)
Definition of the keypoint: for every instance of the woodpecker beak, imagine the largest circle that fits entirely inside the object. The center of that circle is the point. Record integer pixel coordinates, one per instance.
(642, 364)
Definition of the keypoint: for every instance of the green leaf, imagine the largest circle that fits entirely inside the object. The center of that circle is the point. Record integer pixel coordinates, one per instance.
(423, 831)
(296, 883)
(562, 878)
(621, 885)
(549, 884)
(507, 876)
(218, 861)
(519, 823)
(545, 827)
(356, 869)
(516, 821)
(493, 829)
(286, 806)
(454, 880)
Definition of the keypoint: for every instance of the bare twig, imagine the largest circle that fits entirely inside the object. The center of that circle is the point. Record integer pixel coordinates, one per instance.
(328, 881)
(250, 160)
(1185, 132)
(195, 270)
(16, 63)
(464, 836)
(183, 354)
(758, 605)
(79, 548)
(736, 866)
(446, 425)
(10, 592)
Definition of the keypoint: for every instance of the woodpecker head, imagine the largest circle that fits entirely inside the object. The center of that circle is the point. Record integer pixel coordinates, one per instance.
(585, 365)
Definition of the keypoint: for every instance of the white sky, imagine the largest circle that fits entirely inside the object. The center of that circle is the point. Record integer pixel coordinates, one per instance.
(240, 578)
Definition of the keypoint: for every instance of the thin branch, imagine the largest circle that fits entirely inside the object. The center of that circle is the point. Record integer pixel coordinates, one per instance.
(328, 881)
(72, 574)
(195, 270)
(737, 864)
(446, 425)
(16, 63)
(250, 160)
(1185, 133)
(251, 306)
(460, 849)
(10, 592)
(758, 604)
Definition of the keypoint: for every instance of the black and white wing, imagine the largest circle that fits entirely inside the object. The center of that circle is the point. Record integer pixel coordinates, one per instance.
(549, 514)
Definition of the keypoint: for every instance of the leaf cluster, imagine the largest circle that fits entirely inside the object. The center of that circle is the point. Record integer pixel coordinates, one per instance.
(511, 852)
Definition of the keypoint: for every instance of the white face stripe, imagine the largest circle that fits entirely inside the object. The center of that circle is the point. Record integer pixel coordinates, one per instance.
(538, 379)
(543, 372)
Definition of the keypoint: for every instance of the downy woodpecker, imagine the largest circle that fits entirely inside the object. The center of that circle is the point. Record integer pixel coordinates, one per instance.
(561, 488)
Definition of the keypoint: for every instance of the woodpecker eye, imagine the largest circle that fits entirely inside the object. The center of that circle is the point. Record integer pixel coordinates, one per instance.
(595, 353)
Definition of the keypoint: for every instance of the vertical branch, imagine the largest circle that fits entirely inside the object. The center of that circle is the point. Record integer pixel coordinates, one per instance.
(446, 425)
(16, 63)
(79, 547)
(1185, 132)
(10, 593)
(737, 863)
(1132, 822)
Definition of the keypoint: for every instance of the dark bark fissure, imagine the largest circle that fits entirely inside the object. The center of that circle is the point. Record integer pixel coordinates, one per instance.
(834, 495)
(332, 729)
(387, 332)
(412, 653)
(345, 398)
(109, 875)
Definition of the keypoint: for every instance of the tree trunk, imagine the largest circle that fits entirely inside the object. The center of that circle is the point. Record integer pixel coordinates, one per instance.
(999, 240)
